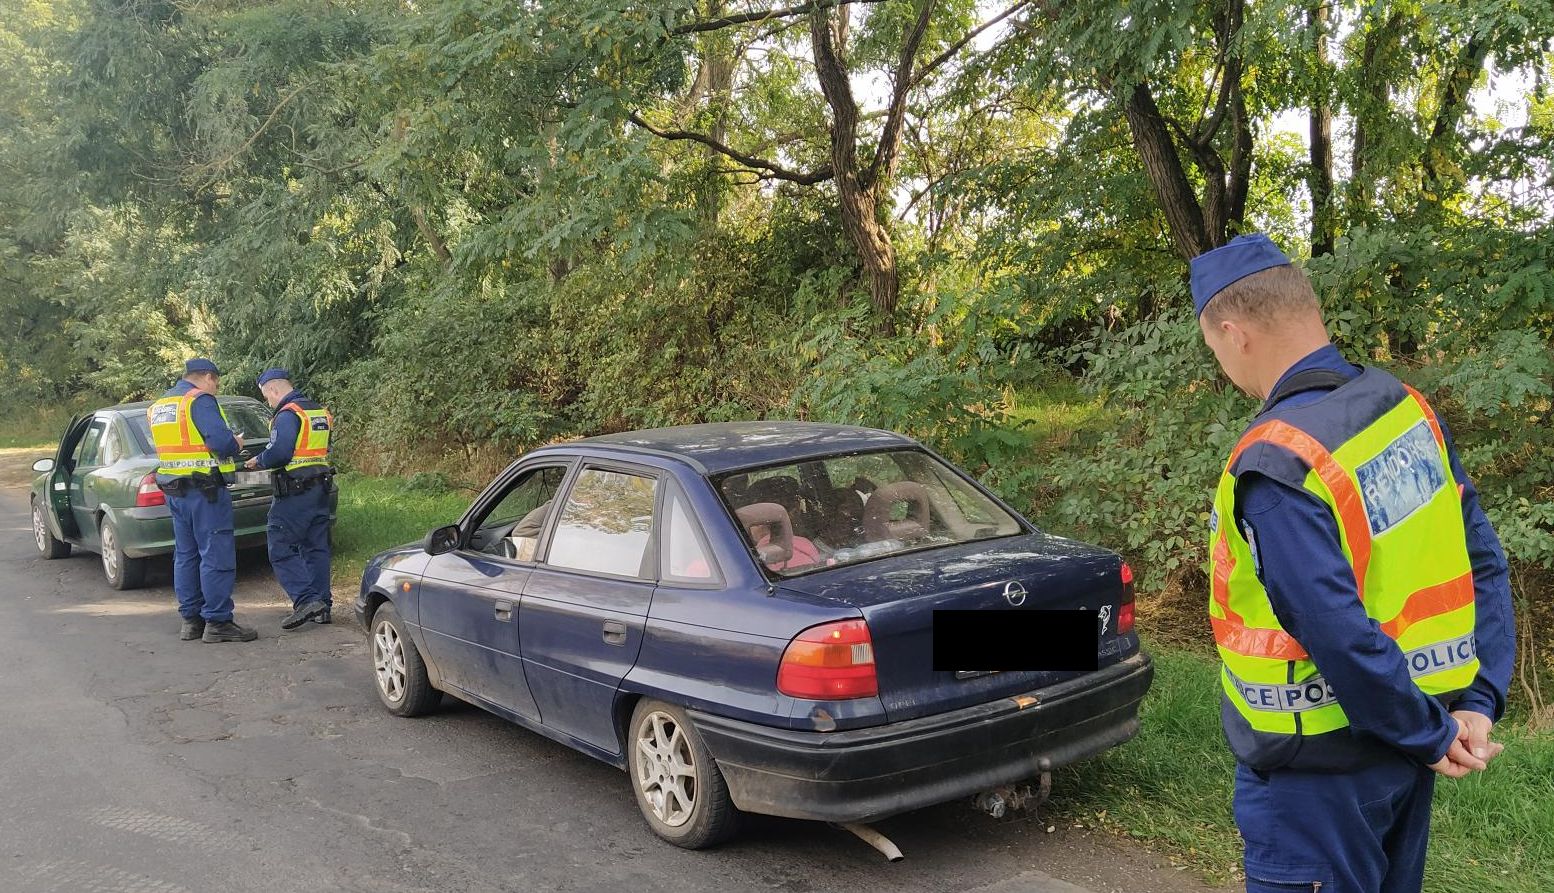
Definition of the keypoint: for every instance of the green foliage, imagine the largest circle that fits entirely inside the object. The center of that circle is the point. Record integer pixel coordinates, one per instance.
(1143, 481)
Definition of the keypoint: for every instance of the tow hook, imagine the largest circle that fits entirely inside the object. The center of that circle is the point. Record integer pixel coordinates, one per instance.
(1001, 800)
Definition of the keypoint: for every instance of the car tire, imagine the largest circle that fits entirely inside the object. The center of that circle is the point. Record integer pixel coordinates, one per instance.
(397, 668)
(665, 756)
(121, 571)
(43, 538)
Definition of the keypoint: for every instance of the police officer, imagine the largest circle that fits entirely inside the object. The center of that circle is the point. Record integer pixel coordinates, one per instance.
(1364, 626)
(196, 452)
(299, 515)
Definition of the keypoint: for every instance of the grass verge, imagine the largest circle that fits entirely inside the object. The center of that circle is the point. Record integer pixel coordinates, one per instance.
(38, 427)
(379, 513)
(1171, 787)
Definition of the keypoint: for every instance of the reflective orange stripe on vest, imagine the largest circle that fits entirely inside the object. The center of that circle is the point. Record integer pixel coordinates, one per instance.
(1431, 601)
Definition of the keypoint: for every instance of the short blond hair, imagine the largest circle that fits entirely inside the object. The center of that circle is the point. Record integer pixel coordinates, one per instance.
(1265, 297)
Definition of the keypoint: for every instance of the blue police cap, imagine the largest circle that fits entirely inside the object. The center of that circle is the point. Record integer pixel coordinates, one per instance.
(1233, 261)
(270, 375)
(200, 364)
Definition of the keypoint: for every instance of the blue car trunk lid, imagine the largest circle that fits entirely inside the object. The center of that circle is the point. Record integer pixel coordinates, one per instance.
(897, 596)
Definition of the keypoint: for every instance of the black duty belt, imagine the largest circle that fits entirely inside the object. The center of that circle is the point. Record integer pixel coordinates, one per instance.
(288, 485)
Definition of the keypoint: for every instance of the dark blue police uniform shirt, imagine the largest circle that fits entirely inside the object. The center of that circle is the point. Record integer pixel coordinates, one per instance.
(284, 429)
(1313, 593)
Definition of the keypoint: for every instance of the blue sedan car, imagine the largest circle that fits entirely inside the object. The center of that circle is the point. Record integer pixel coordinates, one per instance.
(743, 617)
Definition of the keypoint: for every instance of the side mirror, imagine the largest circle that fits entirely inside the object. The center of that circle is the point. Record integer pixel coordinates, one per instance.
(442, 540)
(43, 466)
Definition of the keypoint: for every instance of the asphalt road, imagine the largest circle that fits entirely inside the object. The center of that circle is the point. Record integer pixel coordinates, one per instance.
(131, 762)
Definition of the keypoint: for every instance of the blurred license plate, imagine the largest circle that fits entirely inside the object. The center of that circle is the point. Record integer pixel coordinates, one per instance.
(247, 479)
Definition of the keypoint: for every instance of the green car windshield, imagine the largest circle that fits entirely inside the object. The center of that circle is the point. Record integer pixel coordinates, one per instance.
(246, 419)
(845, 509)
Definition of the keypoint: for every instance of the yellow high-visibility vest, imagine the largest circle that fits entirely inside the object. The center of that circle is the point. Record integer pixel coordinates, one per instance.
(1374, 453)
(312, 439)
(180, 449)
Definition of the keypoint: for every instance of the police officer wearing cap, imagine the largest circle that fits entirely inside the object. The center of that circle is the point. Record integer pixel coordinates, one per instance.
(1359, 597)
(298, 529)
(196, 454)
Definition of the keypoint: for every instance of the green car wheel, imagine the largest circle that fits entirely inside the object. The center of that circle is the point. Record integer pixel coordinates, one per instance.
(48, 546)
(122, 571)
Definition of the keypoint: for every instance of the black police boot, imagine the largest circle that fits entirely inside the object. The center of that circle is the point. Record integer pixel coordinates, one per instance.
(192, 629)
(228, 632)
(324, 617)
(305, 612)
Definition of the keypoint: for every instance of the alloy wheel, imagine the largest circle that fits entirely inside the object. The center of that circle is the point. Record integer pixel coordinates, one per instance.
(666, 768)
(110, 548)
(388, 661)
(40, 531)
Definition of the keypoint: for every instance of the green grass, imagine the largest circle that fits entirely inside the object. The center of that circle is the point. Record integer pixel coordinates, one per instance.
(39, 427)
(1493, 832)
(378, 513)
(1056, 410)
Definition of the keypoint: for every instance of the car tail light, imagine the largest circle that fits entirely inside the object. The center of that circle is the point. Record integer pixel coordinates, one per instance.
(1125, 610)
(830, 662)
(149, 493)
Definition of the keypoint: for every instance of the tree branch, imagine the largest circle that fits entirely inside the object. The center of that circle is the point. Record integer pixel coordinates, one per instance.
(776, 170)
(215, 168)
(890, 138)
(764, 15)
(968, 37)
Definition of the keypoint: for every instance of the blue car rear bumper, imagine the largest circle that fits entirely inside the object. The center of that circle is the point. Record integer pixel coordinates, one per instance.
(868, 774)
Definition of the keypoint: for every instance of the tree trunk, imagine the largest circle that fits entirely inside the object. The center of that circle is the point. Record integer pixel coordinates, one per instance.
(859, 205)
(1371, 108)
(1320, 179)
(1152, 139)
(1449, 113)
(717, 78)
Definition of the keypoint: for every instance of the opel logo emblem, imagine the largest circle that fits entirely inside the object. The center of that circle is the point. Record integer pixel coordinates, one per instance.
(1014, 593)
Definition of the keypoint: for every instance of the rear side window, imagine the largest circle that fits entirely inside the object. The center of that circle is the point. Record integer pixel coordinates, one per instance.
(91, 445)
(606, 525)
(686, 559)
(113, 445)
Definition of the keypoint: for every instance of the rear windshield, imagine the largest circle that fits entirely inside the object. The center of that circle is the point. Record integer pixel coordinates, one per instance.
(248, 419)
(846, 509)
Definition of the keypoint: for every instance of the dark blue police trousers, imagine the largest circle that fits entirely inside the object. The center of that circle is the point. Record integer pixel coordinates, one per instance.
(298, 532)
(1363, 831)
(204, 554)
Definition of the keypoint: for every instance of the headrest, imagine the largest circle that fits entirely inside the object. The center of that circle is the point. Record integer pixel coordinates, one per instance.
(877, 524)
(779, 544)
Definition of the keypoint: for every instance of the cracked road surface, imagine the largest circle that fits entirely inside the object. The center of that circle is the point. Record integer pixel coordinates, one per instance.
(131, 762)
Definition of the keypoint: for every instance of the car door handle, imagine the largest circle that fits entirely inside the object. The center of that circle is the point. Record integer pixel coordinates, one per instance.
(504, 611)
(614, 632)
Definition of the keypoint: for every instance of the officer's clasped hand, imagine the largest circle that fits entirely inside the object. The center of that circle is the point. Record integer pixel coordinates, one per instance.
(1472, 750)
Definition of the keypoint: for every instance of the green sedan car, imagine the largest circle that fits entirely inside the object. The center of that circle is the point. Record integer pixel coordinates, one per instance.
(99, 492)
